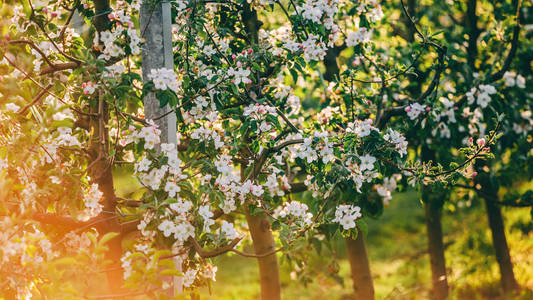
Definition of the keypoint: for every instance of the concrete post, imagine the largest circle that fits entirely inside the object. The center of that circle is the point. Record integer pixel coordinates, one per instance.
(156, 29)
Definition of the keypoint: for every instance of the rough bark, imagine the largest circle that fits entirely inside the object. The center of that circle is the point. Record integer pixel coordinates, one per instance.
(101, 171)
(433, 201)
(501, 248)
(433, 214)
(363, 284)
(268, 266)
(490, 196)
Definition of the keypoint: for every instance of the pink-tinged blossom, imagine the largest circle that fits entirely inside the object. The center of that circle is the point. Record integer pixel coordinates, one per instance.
(88, 87)
(414, 110)
(239, 75)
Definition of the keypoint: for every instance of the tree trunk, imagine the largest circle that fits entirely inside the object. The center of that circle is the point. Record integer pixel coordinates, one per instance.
(268, 266)
(356, 250)
(101, 171)
(489, 193)
(499, 242)
(363, 285)
(259, 226)
(433, 202)
(330, 62)
(433, 213)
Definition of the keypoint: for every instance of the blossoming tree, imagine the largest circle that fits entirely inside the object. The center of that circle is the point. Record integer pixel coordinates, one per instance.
(73, 114)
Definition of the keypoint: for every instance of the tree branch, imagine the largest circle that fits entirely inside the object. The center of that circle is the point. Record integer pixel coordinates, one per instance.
(514, 46)
(216, 252)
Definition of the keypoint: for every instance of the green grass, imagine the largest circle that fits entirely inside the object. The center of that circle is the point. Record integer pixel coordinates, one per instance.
(400, 265)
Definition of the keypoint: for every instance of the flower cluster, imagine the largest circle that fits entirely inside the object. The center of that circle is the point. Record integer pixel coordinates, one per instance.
(88, 87)
(239, 75)
(296, 210)
(92, 199)
(361, 35)
(346, 215)
(313, 48)
(164, 78)
(394, 137)
(228, 230)
(206, 135)
(66, 138)
(121, 35)
(361, 128)
(511, 79)
(273, 185)
(415, 109)
(181, 230)
(387, 187)
(321, 12)
(149, 134)
(481, 95)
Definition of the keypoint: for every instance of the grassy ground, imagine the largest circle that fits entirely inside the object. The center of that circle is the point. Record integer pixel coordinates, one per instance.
(400, 265)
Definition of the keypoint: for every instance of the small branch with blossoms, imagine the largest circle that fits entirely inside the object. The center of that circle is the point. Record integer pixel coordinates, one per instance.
(426, 171)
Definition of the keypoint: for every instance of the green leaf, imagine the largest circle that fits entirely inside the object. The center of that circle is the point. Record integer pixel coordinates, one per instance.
(163, 98)
(317, 244)
(363, 226)
(274, 120)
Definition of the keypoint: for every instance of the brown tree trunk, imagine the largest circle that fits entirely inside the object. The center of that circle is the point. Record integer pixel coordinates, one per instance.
(357, 256)
(433, 202)
(363, 285)
(433, 214)
(501, 249)
(259, 225)
(263, 241)
(114, 254)
(330, 62)
(489, 193)
(101, 171)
